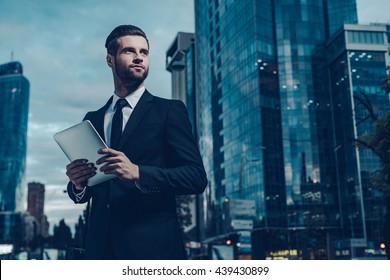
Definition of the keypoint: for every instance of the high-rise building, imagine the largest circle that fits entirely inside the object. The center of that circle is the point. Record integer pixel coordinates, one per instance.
(176, 63)
(14, 102)
(35, 207)
(357, 57)
(267, 125)
(180, 62)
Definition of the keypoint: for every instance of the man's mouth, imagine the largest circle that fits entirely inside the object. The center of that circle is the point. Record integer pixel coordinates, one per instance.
(138, 66)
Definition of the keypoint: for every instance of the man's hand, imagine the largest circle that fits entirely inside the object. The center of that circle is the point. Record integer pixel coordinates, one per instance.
(117, 163)
(79, 171)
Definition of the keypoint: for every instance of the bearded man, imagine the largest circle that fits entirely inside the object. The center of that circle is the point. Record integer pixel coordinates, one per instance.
(151, 151)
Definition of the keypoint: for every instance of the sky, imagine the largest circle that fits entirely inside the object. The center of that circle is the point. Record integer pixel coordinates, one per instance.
(61, 46)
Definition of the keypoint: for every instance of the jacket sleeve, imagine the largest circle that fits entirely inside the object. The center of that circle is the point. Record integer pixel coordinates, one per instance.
(70, 189)
(184, 171)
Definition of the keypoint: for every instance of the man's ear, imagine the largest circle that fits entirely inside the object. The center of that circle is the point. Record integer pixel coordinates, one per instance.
(110, 60)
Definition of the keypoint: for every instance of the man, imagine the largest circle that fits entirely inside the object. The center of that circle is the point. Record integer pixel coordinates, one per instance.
(155, 158)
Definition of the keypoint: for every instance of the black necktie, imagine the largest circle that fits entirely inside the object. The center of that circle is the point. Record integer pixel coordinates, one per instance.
(117, 120)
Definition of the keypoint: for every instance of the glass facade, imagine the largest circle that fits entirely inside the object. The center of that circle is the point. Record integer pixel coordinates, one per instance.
(270, 122)
(190, 86)
(230, 64)
(299, 30)
(355, 74)
(14, 102)
(11, 230)
(338, 13)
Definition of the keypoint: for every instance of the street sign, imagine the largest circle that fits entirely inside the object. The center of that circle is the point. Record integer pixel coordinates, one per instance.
(242, 224)
(242, 208)
(358, 242)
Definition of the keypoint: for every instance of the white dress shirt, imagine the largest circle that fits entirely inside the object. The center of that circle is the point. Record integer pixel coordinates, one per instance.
(132, 99)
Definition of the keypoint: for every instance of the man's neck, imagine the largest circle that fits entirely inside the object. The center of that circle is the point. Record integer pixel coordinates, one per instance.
(125, 90)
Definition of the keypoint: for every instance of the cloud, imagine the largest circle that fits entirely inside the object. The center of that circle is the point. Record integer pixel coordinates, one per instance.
(373, 11)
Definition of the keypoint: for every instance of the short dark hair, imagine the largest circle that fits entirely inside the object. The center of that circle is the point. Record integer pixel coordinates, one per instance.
(120, 31)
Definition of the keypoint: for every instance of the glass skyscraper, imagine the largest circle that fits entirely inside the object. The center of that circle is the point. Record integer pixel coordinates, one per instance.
(267, 124)
(357, 57)
(14, 102)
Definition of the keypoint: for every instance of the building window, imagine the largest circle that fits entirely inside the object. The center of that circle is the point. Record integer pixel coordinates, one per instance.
(364, 37)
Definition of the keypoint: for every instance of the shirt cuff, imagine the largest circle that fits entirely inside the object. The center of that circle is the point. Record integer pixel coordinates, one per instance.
(78, 194)
(137, 185)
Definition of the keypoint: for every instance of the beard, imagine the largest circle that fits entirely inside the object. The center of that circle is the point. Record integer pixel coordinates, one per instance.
(130, 77)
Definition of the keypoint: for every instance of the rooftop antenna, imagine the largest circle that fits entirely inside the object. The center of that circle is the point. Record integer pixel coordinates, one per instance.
(12, 56)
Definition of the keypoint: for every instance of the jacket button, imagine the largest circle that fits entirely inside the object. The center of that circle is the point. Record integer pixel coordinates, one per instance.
(108, 206)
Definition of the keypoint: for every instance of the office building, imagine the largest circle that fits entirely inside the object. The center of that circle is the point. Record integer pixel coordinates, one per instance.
(180, 62)
(16, 233)
(357, 57)
(14, 102)
(176, 64)
(35, 207)
(268, 127)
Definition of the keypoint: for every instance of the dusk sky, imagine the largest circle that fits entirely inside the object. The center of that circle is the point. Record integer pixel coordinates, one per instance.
(61, 47)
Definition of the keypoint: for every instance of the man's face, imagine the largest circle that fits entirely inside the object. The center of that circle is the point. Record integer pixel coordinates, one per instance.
(132, 59)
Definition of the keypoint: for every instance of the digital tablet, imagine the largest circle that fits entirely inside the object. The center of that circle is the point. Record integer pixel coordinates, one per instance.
(82, 141)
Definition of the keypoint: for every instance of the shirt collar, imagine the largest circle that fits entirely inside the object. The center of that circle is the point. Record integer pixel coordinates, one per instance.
(132, 98)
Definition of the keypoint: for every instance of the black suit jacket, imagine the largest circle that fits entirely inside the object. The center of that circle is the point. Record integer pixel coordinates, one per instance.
(142, 224)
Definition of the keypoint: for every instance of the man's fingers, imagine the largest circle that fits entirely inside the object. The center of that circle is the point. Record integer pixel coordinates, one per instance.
(75, 163)
(111, 156)
(80, 168)
(108, 151)
(79, 171)
(109, 159)
(83, 177)
(84, 173)
(80, 178)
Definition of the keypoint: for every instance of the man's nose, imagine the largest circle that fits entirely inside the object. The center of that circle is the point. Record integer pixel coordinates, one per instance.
(138, 58)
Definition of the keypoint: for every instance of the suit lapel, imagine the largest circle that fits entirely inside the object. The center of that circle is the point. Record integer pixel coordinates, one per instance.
(139, 111)
(98, 119)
